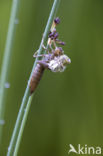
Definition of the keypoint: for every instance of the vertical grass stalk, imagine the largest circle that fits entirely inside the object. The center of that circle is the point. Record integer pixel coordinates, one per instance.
(22, 125)
(27, 99)
(6, 61)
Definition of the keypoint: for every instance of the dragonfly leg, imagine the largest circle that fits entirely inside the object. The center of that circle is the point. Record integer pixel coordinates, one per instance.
(42, 55)
(46, 49)
(59, 42)
(36, 55)
(51, 47)
(54, 43)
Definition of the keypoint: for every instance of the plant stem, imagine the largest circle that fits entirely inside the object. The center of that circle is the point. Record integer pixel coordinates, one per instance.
(22, 126)
(6, 61)
(27, 99)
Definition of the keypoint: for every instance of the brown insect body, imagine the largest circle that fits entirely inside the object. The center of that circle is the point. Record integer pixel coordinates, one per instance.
(36, 76)
(37, 73)
(41, 66)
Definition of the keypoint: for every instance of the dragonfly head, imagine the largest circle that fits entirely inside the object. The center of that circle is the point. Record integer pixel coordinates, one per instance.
(58, 51)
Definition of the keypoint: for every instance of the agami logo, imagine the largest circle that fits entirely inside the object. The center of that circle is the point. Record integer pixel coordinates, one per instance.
(85, 150)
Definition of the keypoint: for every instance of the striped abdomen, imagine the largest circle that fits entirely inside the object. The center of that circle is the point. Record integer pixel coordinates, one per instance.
(36, 76)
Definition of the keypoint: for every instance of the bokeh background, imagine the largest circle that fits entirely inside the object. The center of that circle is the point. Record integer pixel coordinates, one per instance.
(67, 107)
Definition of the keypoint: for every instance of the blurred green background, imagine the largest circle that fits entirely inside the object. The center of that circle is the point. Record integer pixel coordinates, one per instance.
(67, 107)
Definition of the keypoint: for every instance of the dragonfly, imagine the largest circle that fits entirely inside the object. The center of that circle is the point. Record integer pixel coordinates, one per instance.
(54, 60)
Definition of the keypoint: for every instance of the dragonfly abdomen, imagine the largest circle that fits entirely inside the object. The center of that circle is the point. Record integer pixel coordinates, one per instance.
(36, 76)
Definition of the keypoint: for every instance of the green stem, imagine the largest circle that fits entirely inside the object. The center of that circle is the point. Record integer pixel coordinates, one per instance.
(22, 126)
(27, 99)
(6, 61)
